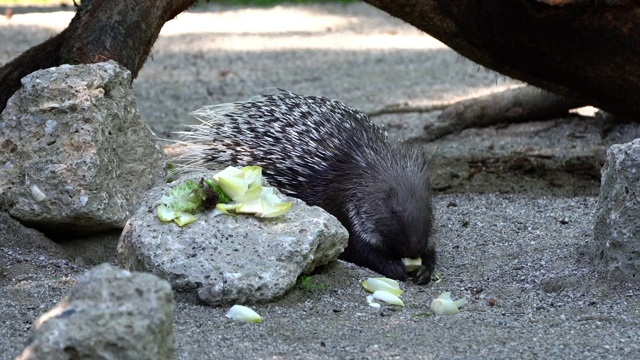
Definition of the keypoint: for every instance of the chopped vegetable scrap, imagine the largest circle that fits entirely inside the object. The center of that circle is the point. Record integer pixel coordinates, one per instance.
(243, 313)
(232, 190)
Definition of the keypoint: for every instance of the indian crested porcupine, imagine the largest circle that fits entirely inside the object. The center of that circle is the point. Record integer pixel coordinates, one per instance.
(330, 155)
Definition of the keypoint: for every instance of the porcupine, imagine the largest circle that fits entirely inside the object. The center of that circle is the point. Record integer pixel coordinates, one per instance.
(330, 155)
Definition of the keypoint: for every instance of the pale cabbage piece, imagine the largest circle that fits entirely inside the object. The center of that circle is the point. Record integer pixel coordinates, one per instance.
(166, 214)
(254, 198)
(388, 285)
(243, 186)
(269, 196)
(253, 175)
(272, 206)
(274, 210)
(228, 172)
(181, 218)
(243, 313)
(372, 301)
(250, 207)
(443, 305)
(387, 297)
(184, 218)
(252, 193)
(390, 282)
(234, 187)
(412, 264)
(225, 208)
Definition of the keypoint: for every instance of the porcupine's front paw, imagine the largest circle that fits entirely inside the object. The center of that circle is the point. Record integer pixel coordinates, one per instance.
(422, 275)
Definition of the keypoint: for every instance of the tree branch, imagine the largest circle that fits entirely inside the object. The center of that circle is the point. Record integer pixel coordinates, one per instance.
(584, 50)
(101, 30)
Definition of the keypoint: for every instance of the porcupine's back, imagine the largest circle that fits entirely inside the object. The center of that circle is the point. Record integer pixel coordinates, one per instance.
(330, 155)
(300, 141)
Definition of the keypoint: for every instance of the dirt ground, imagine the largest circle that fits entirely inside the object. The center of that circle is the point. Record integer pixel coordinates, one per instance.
(515, 242)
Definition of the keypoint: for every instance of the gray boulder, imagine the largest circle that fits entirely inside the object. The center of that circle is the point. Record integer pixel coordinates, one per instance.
(109, 314)
(617, 227)
(75, 155)
(231, 259)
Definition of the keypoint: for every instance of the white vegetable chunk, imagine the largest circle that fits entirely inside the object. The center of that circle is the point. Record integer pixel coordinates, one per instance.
(388, 285)
(387, 297)
(443, 305)
(372, 302)
(243, 313)
(411, 264)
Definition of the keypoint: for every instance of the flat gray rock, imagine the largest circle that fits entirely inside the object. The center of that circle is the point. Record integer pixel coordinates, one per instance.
(616, 233)
(231, 259)
(109, 314)
(76, 155)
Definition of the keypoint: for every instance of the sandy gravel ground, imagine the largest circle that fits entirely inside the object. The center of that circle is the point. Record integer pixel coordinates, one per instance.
(526, 254)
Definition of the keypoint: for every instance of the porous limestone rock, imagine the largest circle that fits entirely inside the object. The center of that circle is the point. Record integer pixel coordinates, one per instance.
(75, 156)
(230, 259)
(616, 234)
(110, 314)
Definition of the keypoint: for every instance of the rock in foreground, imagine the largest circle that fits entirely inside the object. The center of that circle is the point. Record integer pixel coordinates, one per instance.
(231, 259)
(110, 314)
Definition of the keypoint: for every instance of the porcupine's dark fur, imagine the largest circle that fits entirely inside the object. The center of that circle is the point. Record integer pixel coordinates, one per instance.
(328, 154)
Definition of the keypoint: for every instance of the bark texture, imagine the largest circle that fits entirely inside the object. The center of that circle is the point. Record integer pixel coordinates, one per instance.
(509, 106)
(101, 30)
(584, 50)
